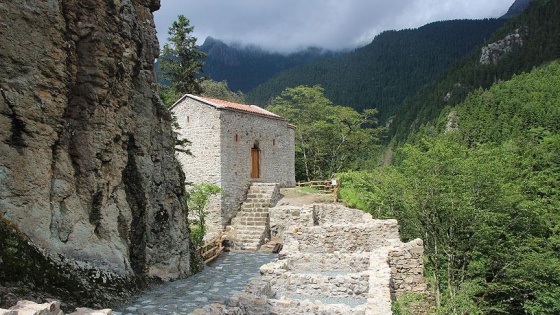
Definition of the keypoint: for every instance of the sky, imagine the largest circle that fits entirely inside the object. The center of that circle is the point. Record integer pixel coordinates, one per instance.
(291, 25)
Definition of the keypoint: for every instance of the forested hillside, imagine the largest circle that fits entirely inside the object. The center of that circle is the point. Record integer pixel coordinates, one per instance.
(475, 173)
(482, 190)
(382, 74)
(244, 68)
(539, 32)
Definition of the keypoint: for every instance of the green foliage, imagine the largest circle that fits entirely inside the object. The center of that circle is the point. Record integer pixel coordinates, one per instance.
(169, 95)
(392, 67)
(410, 304)
(197, 199)
(180, 61)
(329, 138)
(510, 109)
(244, 68)
(539, 27)
(221, 91)
(484, 198)
(197, 234)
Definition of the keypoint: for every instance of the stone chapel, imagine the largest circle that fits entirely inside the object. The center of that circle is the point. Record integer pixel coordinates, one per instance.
(233, 145)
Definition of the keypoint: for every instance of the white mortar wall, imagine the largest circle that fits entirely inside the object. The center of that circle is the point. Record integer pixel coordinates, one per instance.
(200, 124)
(277, 157)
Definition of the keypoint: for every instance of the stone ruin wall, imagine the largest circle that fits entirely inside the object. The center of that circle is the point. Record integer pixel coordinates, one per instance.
(348, 253)
(317, 275)
(407, 268)
(89, 181)
(317, 229)
(347, 239)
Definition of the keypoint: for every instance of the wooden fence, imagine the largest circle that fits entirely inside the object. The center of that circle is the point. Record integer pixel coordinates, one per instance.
(330, 186)
(325, 186)
(211, 249)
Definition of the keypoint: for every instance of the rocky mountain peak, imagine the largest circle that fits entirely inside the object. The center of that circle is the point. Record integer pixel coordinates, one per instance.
(517, 7)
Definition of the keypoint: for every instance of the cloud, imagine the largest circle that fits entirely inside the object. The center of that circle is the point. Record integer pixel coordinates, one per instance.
(289, 25)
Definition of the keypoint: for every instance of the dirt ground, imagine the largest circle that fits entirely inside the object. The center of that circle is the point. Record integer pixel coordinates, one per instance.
(297, 197)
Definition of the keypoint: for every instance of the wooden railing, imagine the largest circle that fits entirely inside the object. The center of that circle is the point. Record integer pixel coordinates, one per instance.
(211, 249)
(324, 186)
(330, 186)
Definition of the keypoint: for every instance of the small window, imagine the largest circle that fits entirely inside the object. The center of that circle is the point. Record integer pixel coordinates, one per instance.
(188, 119)
(236, 138)
(273, 142)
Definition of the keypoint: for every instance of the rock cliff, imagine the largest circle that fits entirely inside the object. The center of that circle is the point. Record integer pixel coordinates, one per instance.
(88, 175)
(493, 52)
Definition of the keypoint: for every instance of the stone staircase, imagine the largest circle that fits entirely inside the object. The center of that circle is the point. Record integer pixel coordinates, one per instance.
(252, 221)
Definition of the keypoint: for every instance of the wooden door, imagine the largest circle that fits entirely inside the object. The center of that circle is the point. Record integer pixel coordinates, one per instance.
(255, 170)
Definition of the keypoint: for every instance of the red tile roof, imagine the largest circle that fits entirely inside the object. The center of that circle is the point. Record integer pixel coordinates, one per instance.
(253, 109)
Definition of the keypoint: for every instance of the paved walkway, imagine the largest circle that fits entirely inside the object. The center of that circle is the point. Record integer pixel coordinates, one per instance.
(227, 275)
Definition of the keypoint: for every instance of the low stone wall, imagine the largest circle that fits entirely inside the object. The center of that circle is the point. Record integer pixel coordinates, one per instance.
(345, 285)
(284, 216)
(337, 261)
(364, 237)
(339, 253)
(339, 214)
(253, 305)
(293, 306)
(407, 268)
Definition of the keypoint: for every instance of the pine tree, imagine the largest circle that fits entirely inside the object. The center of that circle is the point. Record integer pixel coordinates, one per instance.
(181, 61)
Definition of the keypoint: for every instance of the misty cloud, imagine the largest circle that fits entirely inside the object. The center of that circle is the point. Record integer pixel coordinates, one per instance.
(289, 25)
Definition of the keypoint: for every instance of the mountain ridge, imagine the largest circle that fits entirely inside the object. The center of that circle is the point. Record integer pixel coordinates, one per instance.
(245, 67)
(389, 69)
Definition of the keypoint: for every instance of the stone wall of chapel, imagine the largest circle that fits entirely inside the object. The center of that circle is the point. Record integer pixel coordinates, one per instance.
(275, 140)
(200, 124)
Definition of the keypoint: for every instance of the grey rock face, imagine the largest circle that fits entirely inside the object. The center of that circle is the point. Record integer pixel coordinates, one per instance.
(87, 166)
(493, 52)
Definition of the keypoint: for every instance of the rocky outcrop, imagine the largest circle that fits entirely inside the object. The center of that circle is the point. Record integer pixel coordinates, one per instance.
(49, 308)
(88, 177)
(493, 52)
(517, 7)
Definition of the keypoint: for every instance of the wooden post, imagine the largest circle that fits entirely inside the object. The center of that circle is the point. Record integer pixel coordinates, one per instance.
(335, 183)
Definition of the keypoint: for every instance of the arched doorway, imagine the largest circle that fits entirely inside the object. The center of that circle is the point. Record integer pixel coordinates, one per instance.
(255, 161)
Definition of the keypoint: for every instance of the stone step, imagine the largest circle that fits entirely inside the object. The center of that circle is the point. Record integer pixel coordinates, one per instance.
(257, 203)
(252, 215)
(253, 224)
(247, 243)
(253, 208)
(252, 220)
(262, 214)
(248, 228)
(296, 304)
(248, 246)
(249, 237)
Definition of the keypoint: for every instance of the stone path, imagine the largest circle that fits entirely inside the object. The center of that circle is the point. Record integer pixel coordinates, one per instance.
(227, 275)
